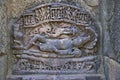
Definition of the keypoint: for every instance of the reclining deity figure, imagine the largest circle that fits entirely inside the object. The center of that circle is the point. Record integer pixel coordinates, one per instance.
(60, 46)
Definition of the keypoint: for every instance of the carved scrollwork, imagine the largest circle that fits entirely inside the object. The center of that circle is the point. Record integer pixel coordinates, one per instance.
(78, 65)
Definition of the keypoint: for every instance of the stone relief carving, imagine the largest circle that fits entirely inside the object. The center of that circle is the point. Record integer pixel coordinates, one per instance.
(49, 36)
(87, 66)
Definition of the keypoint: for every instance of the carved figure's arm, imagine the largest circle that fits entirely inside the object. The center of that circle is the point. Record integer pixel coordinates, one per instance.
(19, 45)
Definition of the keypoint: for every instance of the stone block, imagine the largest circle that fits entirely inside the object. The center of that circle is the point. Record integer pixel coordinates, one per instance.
(58, 77)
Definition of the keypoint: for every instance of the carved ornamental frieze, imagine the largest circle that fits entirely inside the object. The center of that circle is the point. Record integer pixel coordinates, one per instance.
(55, 38)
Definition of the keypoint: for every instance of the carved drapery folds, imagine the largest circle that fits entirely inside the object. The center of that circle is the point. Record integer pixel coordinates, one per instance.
(55, 37)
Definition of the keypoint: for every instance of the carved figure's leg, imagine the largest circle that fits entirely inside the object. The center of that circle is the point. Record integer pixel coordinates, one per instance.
(47, 47)
(67, 51)
(37, 37)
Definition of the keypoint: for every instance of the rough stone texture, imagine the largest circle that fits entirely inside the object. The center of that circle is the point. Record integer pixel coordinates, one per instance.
(4, 40)
(113, 69)
(3, 67)
(115, 30)
(91, 7)
(92, 3)
(3, 28)
(109, 19)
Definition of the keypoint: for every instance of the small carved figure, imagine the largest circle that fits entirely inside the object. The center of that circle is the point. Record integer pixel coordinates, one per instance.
(18, 35)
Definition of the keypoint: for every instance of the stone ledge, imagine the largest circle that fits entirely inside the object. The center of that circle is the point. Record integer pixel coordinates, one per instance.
(58, 77)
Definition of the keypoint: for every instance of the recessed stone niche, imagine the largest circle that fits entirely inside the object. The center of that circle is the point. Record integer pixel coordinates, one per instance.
(56, 41)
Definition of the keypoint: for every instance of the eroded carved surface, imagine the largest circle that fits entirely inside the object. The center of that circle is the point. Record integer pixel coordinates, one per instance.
(53, 37)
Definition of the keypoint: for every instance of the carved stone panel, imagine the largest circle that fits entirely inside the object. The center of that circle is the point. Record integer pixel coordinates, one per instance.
(55, 38)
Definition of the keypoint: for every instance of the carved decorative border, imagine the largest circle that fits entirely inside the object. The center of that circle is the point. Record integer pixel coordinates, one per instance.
(55, 12)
